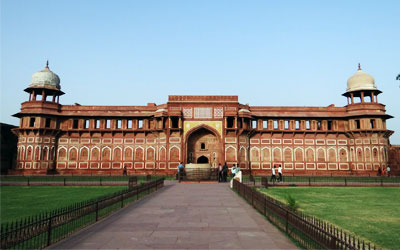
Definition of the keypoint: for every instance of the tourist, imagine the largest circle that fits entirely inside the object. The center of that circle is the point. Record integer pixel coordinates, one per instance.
(220, 173)
(280, 173)
(388, 171)
(234, 171)
(273, 177)
(181, 169)
(224, 172)
(124, 172)
(379, 171)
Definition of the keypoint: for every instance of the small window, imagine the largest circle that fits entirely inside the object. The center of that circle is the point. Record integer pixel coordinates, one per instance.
(308, 125)
(286, 124)
(265, 124)
(318, 125)
(358, 126)
(254, 123)
(202, 145)
(119, 123)
(329, 125)
(140, 123)
(48, 121)
(86, 124)
(32, 122)
(75, 124)
(229, 122)
(373, 125)
(97, 124)
(276, 124)
(174, 122)
(297, 124)
(108, 123)
(129, 124)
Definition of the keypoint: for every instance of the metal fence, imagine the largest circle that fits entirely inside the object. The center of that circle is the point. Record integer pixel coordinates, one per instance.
(308, 231)
(45, 229)
(56, 180)
(354, 181)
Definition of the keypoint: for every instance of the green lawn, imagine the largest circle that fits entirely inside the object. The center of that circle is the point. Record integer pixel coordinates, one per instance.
(372, 213)
(21, 201)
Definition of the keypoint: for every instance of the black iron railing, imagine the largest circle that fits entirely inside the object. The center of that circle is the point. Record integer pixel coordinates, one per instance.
(308, 231)
(40, 231)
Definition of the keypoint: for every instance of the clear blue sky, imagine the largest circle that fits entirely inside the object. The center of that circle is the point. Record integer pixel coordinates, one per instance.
(269, 53)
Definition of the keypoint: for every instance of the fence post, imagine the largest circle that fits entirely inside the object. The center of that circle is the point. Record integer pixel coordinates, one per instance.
(137, 192)
(265, 205)
(122, 200)
(97, 210)
(345, 181)
(381, 182)
(64, 182)
(287, 221)
(49, 231)
(309, 181)
(28, 182)
(101, 183)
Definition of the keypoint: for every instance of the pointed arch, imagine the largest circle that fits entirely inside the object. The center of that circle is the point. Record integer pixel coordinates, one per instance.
(106, 153)
(95, 154)
(84, 154)
(266, 154)
(62, 154)
(174, 153)
(332, 155)
(128, 154)
(73, 154)
(310, 154)
(139, 153)
(117, 155)
(255, 154)
(288, 154)
(343, 155)
(45, 153)
(150, 154)
(163, 154)
(299, 154)
(37, 153)
(321, 155)
(277, 154)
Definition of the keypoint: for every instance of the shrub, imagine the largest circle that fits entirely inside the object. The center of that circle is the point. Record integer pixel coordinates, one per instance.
(292, 203)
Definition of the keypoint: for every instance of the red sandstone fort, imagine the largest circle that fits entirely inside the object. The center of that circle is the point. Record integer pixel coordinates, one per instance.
(153, 139)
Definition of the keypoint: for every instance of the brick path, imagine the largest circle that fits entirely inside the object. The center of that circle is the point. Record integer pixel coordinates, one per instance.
(182, 216)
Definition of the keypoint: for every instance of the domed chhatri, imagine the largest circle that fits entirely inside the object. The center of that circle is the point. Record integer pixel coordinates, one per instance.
(45, 79)
(360, 81)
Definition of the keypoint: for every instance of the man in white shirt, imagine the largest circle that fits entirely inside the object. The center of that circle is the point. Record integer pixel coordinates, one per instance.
(280, 173)
(273, 177)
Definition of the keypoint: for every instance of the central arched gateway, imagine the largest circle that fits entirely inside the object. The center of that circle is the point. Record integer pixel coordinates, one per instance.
(203, 146)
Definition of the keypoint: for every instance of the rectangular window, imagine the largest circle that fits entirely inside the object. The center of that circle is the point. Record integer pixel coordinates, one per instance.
(97, 124)
(329, 125)
(48, 120)
(308, 125)
(297, 124)
(358, 125)
(140, 123)
(373, 125)
(286, 124)
(129, 124)
(276, 124)
(174, 122)
(108, 123)
(318, 125)
(229, 121)
(86, 124)
(119, 122)
(254, 124)
(75, 123)
(265, 124)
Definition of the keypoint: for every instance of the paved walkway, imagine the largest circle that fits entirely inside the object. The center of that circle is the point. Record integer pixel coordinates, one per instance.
(182, 216)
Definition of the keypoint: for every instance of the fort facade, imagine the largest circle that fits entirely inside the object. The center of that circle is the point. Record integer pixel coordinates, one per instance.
(153, 139)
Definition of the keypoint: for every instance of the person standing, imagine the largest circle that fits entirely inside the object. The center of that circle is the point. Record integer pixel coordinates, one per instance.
(280, 173)
(273, 176)
(220, 173)
(224, 172)
(180, 170)
(388, 171)
(124, 172)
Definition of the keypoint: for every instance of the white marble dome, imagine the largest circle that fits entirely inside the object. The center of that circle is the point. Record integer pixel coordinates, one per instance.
(360, 81)
(45, 79)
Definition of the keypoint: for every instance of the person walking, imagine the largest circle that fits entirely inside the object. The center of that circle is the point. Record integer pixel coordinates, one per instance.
(280, 173)
(124, 172)
(388, 171)
(273, 176)
(225, 172)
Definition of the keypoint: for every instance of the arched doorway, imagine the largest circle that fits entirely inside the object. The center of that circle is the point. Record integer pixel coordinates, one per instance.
(202, 159)
(203, 146)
